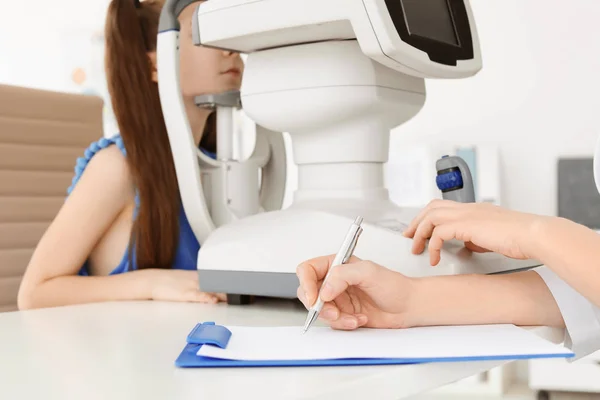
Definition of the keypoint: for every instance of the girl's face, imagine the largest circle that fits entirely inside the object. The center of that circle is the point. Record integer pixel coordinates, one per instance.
(204, 70)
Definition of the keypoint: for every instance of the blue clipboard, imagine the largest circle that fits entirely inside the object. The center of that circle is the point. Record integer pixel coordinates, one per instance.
(210, 334)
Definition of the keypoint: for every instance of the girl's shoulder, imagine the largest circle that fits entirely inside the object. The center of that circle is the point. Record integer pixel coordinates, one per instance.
(106, 155)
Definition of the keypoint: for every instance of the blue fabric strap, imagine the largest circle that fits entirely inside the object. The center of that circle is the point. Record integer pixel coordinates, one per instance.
(95, 147)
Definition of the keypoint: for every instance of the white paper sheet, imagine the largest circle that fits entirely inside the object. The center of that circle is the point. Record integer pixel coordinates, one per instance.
(423, 343)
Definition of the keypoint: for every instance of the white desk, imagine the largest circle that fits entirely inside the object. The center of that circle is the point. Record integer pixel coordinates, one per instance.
(127, 351)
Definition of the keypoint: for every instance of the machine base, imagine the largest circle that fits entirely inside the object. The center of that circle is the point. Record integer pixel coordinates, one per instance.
(268, 284)
(258, 255)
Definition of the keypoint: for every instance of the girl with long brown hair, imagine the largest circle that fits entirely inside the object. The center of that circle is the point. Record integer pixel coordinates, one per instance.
(122, 233)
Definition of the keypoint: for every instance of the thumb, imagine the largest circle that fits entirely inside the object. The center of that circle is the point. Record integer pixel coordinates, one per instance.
(346, 275)
(475, 248)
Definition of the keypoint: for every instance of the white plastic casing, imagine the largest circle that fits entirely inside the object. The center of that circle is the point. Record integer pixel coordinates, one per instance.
(264, 24)
(180, 136)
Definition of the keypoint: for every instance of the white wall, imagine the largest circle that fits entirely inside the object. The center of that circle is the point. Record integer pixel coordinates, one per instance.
(42, 42)
(537, 97)
(36, 36)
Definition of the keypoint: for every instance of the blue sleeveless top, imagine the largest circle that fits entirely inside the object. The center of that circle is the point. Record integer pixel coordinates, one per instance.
(186, 255)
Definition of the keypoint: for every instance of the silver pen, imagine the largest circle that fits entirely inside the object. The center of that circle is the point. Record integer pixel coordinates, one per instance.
(341, 257)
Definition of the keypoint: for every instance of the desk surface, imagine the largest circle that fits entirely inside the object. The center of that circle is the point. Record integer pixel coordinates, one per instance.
(127, 351)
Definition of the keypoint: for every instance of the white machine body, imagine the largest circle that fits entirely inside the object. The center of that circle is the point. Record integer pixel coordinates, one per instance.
(338, 76)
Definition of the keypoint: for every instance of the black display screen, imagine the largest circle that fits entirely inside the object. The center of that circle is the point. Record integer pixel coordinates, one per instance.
(430, 19)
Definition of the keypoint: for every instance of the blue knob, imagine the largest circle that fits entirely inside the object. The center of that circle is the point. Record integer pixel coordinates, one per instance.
(449, 180)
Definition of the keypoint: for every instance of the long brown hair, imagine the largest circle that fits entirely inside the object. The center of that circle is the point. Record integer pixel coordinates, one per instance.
(131, 33)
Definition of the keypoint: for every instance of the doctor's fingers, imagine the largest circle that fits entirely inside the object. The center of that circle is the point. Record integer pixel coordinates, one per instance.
(440, 235)
(434, 219)
(319, 266)
(302, 296)
(363, 273)
(433, 205)
(348, 322)
(444, 233)
(310, 273)
(338, 319)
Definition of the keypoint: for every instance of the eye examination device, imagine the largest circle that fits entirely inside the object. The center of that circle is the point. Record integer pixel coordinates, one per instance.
(337, 76)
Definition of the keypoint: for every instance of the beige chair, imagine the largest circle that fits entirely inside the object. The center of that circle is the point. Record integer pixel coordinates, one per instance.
(41, 135)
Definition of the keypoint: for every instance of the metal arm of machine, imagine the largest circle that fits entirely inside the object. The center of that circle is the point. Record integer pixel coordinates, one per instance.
(229, 188)
(178, 127)
(170, 13)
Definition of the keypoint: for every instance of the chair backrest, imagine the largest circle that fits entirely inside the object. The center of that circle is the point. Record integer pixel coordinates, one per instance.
(41, 135)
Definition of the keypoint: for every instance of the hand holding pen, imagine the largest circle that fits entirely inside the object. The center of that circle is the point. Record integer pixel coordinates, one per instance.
(356, 294)
(342, 257)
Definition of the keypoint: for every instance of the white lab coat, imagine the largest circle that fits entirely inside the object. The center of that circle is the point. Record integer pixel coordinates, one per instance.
(582, 318)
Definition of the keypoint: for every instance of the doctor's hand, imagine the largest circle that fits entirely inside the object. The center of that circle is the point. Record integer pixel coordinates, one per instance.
(356, 294)
(482, 226)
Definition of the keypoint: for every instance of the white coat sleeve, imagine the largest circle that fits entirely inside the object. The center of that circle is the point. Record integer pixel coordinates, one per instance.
(582, 317)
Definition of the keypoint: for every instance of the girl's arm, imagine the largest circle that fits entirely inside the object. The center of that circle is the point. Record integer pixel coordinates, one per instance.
(104, 190)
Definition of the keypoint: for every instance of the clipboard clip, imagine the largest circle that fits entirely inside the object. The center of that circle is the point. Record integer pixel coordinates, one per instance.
(209, 333)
